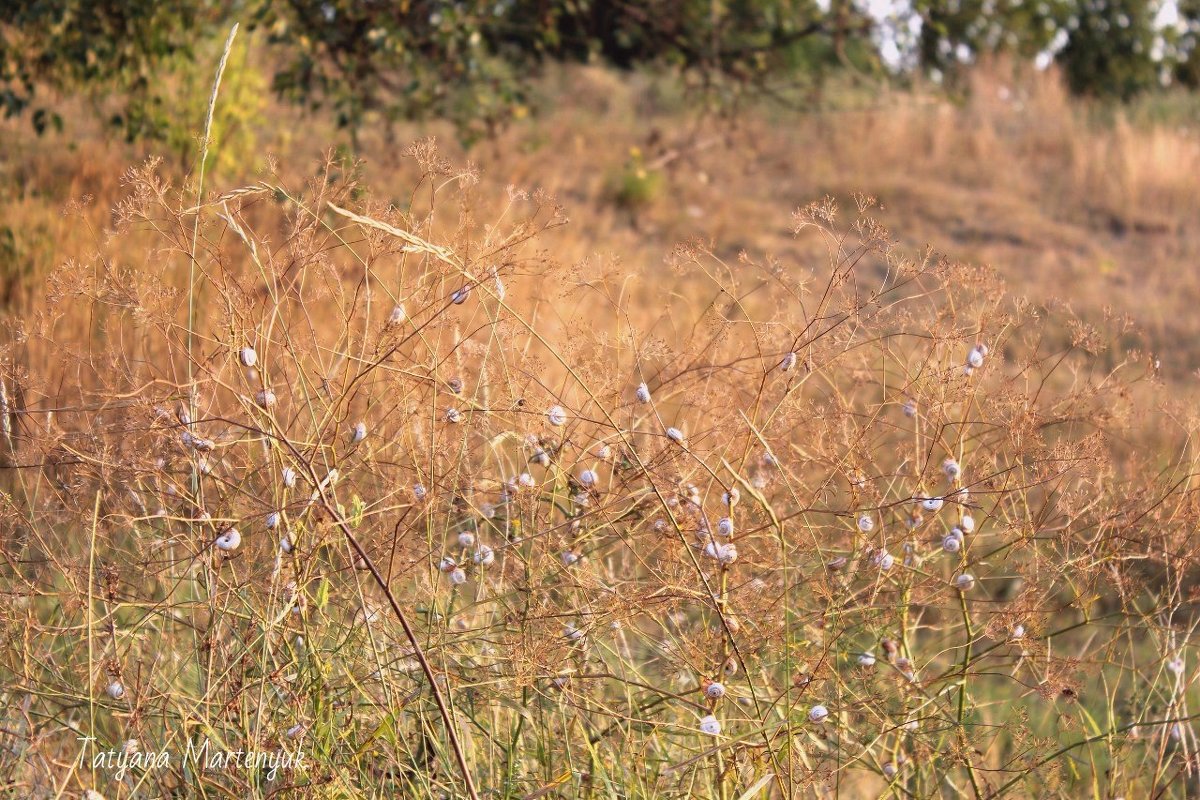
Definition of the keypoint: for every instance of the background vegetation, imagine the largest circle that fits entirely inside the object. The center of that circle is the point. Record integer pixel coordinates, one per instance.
(681, 296)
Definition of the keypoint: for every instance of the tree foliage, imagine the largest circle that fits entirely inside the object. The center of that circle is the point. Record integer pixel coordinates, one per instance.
(471, 61)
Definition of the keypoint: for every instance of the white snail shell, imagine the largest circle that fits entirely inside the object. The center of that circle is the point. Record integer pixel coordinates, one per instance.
(866, 524)
(398, 315)
(643, 393)
(460, 295)
(359, 432)
(247, 356)
(289, 477)
(115, 690)
(710, 725)
(788, 362)
(725, 526)
(229, 540)
(715, 691)
(557, 416)
(818, 713)
(466, 539)
(589, 477)
(675, 435)
(273, 520)
(484, 555)
(965, 582)
(866, 659)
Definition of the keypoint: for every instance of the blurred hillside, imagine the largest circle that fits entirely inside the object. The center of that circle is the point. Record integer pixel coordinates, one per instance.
(1071, 202)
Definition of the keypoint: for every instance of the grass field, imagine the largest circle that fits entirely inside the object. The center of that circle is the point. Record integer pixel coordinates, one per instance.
(638, 453)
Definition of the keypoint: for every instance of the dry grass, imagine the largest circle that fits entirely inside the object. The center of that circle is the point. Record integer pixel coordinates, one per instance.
(782, 500)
